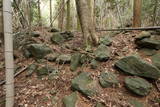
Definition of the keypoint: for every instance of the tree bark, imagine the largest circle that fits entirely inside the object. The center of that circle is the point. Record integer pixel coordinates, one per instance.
(86, 22)
(61, 16)
(51, 25)
(9, 63)
(137, 13)
(1, 22)
(68, 25)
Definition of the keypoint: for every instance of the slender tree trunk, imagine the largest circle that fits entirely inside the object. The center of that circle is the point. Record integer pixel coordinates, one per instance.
(9, 64)
(137, 13)
(61, 16)
(86, 22)
(51, 25)
(39, 13)
(1, 22)
(155, 11)
(30, 16)
(68, 26)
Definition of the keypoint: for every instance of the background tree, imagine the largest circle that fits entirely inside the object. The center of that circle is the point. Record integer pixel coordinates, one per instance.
(61, 15)
(137, 13)
(1, 21)
(51, 13)
(68, 25)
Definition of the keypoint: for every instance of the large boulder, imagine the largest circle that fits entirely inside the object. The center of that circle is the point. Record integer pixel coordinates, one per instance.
(70, 101)
(156, 60)
(75, 61)
(135, 66)
(38, 50)
(108, 79)
(138, 85)
(63, 59)
(102, 53)
(57, 38)
(84, 84)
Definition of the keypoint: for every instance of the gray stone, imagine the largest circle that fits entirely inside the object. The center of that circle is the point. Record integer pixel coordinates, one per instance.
(84, 84)
(57, 38)
(102, 53)
(156, 60)
(105, 40)
(135, 66)
(70, 101)
(108, 79)
(64, 59)
(138, 85)
(38, 50)
(75, 61)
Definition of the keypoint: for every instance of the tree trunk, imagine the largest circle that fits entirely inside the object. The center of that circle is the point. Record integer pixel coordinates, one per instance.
(51, 25)
(1, 22)
(137, 13)
(39, 13)
(86, 22)
(155, 11)
(9, 64)
(61, 15)
(68, 26)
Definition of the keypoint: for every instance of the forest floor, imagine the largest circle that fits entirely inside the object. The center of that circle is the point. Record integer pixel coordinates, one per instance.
(33, 91)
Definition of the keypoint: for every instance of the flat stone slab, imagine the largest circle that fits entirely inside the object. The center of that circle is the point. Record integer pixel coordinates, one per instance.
(138, 85)
(136, 66)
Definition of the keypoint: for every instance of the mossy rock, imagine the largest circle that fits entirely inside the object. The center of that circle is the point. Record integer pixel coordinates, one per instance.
(136, 103)
(138, 85)
(94, 64)
(70, 100)
(84, 84)
(64, 59)
(156, 60)
(57, 38)
(108, 79)
(75, 61)
(105, 40)
(136, 66)
(99, 105)
(38, 50)
(102, 53)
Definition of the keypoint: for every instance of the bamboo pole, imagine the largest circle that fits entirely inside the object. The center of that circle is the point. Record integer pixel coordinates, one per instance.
(9, 65)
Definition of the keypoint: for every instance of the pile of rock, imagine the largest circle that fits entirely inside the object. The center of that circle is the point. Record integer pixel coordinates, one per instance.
(139, 71)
